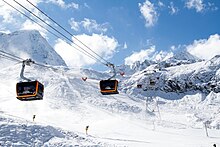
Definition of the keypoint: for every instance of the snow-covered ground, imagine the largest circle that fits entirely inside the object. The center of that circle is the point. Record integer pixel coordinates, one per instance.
(70, 104)
(137, 117)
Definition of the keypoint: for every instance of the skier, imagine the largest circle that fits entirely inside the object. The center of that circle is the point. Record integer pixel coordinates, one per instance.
(214, 145)
(34, 117)
(87, 127)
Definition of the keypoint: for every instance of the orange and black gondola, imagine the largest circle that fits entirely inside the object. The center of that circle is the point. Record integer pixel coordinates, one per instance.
(31, 90)
(108, 87)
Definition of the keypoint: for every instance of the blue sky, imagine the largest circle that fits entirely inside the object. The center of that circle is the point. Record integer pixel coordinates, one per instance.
(124, 31)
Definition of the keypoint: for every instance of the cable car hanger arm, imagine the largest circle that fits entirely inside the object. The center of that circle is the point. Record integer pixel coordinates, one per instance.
(25, 62)
(113, 67)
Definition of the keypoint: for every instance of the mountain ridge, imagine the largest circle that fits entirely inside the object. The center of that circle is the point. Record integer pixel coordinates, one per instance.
(30, 44)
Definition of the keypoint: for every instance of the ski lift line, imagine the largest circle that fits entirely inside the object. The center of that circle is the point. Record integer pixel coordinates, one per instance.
(57, 31)
(47, 30)
(27, 61)
(46, 66)
(66, 30)
(82, 51)
(9, 58)
(6, 57)
(86, 53)
(30, 18)
(12, 55)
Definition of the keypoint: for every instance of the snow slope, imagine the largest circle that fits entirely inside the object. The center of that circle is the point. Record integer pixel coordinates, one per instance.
(70, 104)
(134, 118)
(19, 132)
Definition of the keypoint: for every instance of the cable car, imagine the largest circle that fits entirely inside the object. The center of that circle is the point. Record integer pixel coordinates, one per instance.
(108, 87)
(139, 85)
(31, 90)
(152, 82)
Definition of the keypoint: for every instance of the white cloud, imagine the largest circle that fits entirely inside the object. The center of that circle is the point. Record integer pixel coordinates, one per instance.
(140, 56)
(88, 24)
(148, 54)
(173, 48)
(205, 48)
(74, 24)
(161, 4)
(149, 12)
(86, 5)
(9, 14)
(64, 5)
(70, 55)
(178, 47)
(173, 9)
(212, 7)
(200, 5)
(13, 20)
(195, 4)
(125, 46)
(103, 45)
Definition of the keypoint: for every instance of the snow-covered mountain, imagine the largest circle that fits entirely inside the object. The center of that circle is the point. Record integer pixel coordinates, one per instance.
(169, 109)
(197, 76)
(179, 58)
(30, 44)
